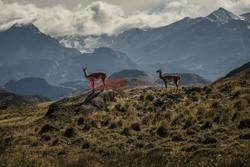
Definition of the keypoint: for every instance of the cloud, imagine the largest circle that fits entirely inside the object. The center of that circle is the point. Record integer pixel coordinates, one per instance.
(103, 18)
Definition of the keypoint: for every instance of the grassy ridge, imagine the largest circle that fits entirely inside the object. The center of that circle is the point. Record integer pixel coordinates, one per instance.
(192, 126)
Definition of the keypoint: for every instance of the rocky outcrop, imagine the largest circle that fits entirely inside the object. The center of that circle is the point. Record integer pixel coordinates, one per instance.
(83, 104)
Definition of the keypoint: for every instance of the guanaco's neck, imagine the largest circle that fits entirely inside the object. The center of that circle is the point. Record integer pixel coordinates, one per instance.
(160, 74)
(85, 73)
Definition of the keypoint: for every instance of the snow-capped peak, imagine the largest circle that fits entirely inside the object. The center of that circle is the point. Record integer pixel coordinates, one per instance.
(222, 16)
(27, 27)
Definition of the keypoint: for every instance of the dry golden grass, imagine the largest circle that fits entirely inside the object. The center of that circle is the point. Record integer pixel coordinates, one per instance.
(192, 126)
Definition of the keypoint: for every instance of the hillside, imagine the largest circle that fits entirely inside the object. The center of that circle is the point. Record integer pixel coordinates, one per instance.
(37, 86)
(242, 72)
(133, 73)
(193, 126)
(8, 99)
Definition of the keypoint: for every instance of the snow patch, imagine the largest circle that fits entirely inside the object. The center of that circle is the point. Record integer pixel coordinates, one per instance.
(222, 16)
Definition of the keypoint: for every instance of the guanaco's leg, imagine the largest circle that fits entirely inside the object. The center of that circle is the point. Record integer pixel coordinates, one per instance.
(93, 83)
(176, 83)
(103, 79)
(166, 84)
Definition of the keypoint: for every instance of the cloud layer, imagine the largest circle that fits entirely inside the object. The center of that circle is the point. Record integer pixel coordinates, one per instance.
(103, 18)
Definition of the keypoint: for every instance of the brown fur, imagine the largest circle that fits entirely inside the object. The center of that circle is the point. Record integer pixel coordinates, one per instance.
(98, 75)
(169, 78)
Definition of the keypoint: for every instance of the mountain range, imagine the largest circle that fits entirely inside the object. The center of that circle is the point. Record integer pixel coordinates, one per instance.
(209, 46)
(26, 52)
(199, 45)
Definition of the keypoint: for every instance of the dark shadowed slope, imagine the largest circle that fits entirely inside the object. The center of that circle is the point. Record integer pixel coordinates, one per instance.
(134, 73)
(242, 72)
(8, 99)
(36, 86)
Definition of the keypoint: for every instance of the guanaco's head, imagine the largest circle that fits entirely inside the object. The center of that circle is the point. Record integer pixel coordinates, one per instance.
(84, 68)
(158, 71)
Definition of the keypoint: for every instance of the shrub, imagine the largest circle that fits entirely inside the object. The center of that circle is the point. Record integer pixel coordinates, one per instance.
(86, 127)
(220, 130)
(245, 136)
(86, 145)
(189, 122)
(113, 125)
(126, 132)
(105, 122)
(215, 105)
(136, 126)
(190, 131)
(140, 145)
(141, 97)
(47, 128)
(119, 123)
(207, 125)
(240, 104)
(120, 107)
(162, 131)
(46, 137)
(80, 121)
(55, 142)
(139, 137)
(149, 97)
(69, 132)
(93, 123)
(194, 98)
(245, 123)
(209, 90)
(177, 137)
(146, 120)
(236, 94)
(158, 103)
(210, 140)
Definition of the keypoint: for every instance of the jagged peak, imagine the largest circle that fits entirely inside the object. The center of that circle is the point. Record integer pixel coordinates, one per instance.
(246, 17)
(30, 27)
(222, 16)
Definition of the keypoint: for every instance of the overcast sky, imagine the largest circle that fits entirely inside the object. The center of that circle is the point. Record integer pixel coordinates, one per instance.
(127, 5)
(69, 17)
